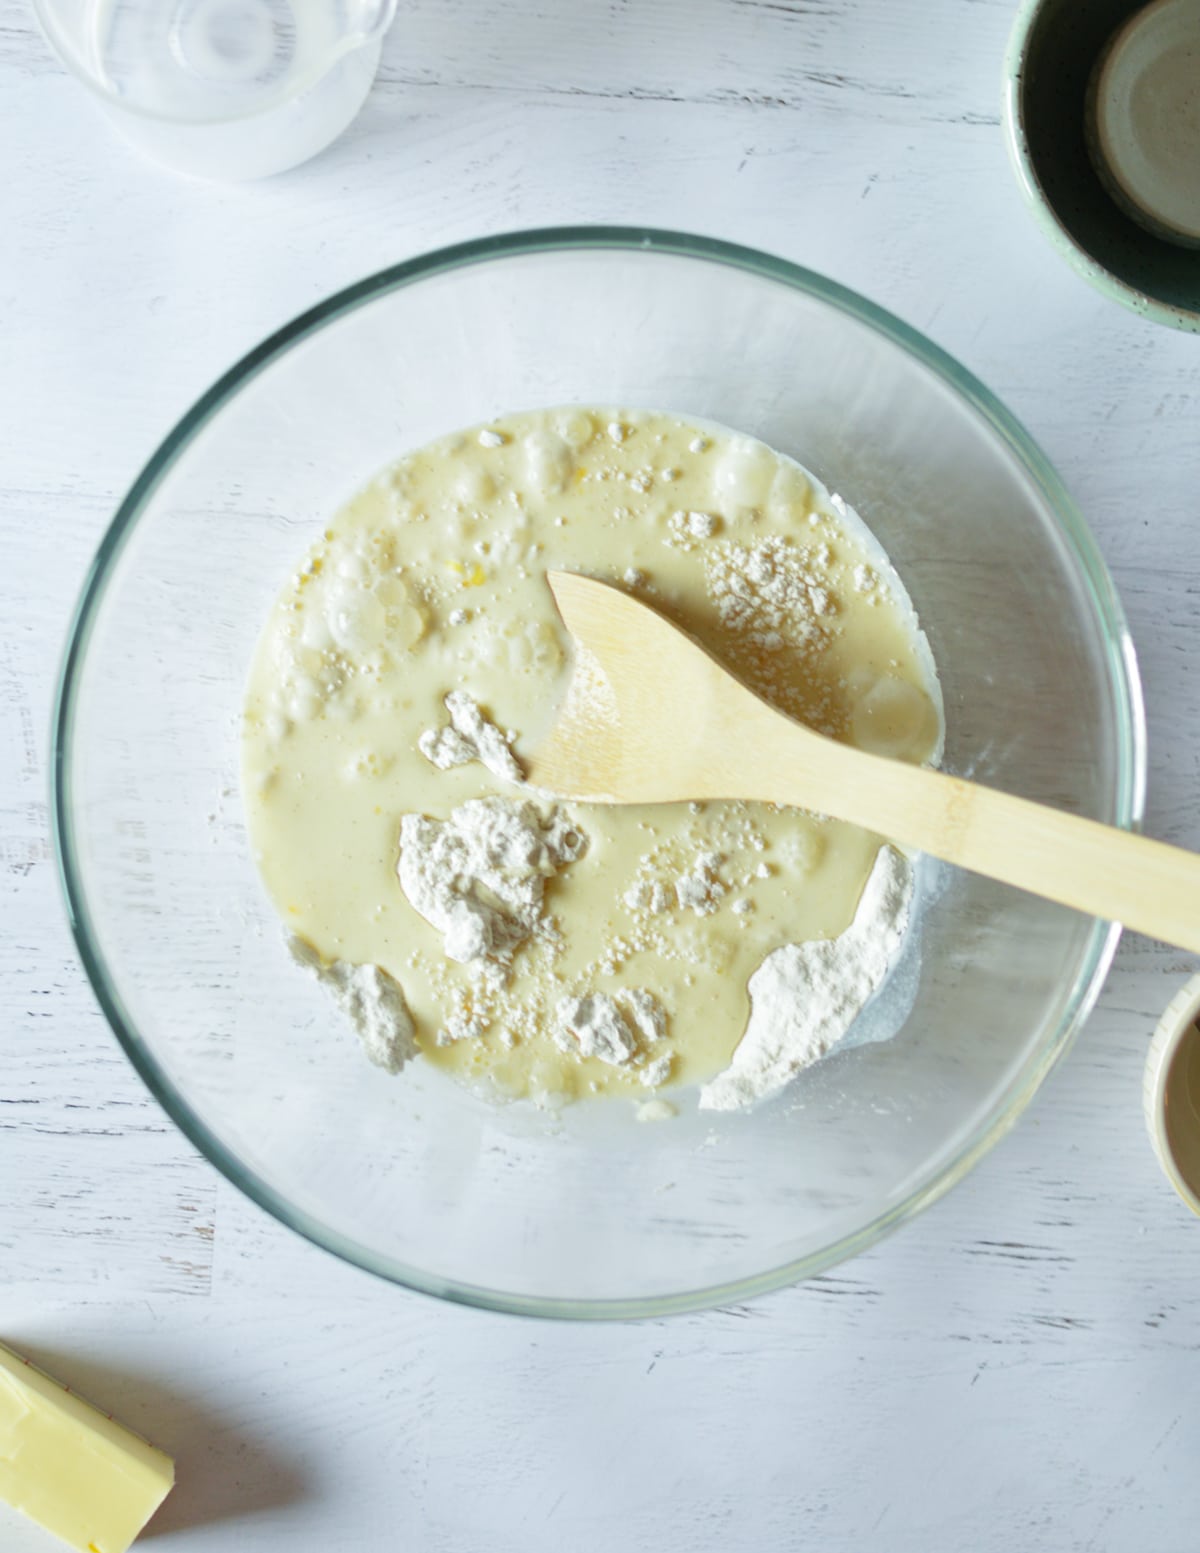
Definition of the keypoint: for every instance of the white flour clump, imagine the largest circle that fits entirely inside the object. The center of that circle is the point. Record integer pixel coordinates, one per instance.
(645, 1013)
(469, 736)
(597, 1025)
(370, 999)
(658, 1071)
(804, 997)
(593, 1026)
(701, 890)
(479, 876)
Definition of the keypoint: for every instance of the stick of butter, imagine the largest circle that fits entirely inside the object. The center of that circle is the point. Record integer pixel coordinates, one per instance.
(72, 1468)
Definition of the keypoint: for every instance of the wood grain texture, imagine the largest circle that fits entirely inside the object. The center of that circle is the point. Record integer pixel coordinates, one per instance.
(1018, 1367)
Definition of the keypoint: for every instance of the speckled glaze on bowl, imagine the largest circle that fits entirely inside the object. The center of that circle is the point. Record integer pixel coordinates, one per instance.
(1052, 52)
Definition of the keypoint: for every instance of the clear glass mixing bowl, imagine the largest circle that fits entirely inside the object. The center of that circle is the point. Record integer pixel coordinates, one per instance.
(587, 1213)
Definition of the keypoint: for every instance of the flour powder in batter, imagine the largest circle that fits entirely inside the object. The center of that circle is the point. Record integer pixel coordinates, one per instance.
(480, 875)
(371, 1000)
(413, 659)
(804, 997)
(469, 735)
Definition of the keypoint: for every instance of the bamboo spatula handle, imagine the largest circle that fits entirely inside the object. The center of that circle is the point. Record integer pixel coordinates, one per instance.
(674, 723)
(1095, 868)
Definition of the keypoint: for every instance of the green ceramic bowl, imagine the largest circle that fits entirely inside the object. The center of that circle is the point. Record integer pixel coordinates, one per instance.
(1052, 52)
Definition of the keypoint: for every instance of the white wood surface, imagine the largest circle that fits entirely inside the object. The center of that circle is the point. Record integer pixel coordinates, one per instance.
(1018, 1369)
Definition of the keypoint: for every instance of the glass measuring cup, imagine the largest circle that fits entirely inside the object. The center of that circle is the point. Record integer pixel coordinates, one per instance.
(223, 88)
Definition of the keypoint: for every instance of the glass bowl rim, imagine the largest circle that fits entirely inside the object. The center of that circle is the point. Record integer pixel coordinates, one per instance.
(1123, 677)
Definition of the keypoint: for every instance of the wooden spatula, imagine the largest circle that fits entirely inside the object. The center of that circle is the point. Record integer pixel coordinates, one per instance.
(651, 717)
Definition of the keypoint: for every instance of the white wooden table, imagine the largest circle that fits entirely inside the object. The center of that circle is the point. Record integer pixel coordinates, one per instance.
(1020, 1368)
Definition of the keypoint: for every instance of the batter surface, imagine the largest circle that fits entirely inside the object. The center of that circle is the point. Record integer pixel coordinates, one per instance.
(432, 581)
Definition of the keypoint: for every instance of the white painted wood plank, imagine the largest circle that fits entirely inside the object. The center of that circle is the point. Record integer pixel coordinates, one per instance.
(770, 54)
(811, 1417)
(97, 1188)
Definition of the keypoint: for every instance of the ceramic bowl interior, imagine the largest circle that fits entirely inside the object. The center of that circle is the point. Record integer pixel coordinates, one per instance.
(1171, 1093)
(1053, 50)
(590, 1213)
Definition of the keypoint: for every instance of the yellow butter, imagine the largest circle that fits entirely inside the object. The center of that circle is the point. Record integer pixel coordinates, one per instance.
(72, 1468)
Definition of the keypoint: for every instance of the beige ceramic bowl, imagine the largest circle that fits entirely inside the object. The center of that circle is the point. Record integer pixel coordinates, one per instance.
(1171, 1093)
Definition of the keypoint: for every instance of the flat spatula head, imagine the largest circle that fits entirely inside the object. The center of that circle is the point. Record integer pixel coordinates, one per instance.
(647, 717)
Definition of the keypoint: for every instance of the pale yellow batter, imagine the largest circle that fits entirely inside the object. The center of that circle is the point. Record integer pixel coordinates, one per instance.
(433, 580)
